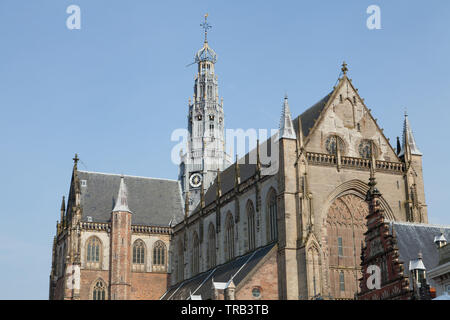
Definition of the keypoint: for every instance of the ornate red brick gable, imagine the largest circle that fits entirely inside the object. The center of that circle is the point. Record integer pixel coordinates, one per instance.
(381, 252)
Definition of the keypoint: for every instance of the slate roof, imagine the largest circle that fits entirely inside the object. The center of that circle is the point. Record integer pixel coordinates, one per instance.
(235, 270)
(152, 201)
(310, 115)
(413, 238)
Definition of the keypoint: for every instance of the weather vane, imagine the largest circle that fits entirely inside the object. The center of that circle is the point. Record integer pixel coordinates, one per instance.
(206, 26)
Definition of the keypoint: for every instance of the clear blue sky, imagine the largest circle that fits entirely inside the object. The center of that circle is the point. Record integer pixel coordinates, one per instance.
(116, 89)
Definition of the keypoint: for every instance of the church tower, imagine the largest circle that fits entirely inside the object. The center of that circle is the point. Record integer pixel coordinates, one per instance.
(205, 154)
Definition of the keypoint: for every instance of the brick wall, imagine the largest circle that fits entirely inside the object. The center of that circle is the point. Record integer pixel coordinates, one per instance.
(148, 286)
(265, 277)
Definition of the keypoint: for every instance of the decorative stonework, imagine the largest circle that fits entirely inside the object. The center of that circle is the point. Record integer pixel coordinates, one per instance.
(345, 227)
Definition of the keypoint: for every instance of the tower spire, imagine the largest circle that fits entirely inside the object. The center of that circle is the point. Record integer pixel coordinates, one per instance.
(408, 140)
(286, 126)
(122, 198)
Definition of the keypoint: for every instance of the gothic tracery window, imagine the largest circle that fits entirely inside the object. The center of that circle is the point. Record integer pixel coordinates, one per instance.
(332, 142)
(159, 256)
(251, 226)
(93, 252)
(211, 253)
(195, 254)
(139, 255)
(229, 236)
(272, 227)
(180, 265)
(366, 147)
(345, 227)
(99, 291)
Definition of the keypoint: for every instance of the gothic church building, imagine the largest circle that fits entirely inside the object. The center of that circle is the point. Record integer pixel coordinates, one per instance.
(286, 221)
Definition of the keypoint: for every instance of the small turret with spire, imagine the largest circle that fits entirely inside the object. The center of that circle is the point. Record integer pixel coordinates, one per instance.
(409, 146)
(120, 244)
(286, 127)
(122, 198)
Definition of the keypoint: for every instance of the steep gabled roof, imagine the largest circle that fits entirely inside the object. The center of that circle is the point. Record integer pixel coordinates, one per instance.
(235, 270)
(152, 201)
(413, 238)
(311, 115)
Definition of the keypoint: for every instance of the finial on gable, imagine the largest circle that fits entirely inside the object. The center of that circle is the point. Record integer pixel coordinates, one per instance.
(344, 68)
(75, 160)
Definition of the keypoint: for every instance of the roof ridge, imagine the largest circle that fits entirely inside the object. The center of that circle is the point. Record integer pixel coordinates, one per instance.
(126, 175)
(421, 224)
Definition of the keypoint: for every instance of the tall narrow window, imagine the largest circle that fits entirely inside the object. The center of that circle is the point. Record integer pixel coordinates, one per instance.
(340, 247)
(195, 254)
(99, 291)
(229, 237)
(159, 256)
(342, 281)
(272, 216)
(210, 92)
(211, 253)
(138, 252)
(251, 226)
(93, 252)
(180, 269)
(139, 255)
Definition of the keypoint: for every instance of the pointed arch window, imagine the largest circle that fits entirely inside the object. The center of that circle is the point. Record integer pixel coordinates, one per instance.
(195, 255)
(272, 227)
(180, 266)
(159, 256)
(333, 143)
(251, 226)
(211, 252)
(93, 252)
(99, 291)
(139, 255)
(229, 236)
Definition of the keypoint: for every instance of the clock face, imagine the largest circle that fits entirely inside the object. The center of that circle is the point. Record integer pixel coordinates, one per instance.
(195, 180)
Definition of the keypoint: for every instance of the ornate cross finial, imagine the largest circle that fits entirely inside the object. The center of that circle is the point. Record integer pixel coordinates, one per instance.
(206, 26)
(76, 159)
(344, 68)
